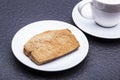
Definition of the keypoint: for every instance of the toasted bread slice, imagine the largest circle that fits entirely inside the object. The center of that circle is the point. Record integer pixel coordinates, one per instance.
(50, 45)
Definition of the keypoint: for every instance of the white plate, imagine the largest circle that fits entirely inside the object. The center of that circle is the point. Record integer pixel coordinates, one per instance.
(90, 27)
(63, 63)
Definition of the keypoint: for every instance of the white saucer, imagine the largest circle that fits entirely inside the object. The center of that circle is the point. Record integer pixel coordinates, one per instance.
(90, 27)
(63, 63)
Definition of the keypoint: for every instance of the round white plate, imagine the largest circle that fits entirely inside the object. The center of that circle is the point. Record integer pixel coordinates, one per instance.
(90, 27)
(63, 63)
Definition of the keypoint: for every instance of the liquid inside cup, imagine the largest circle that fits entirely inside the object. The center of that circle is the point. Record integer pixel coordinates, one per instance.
(110, 1)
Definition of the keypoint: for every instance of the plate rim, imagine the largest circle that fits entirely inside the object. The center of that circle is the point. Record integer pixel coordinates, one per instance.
(38, 65)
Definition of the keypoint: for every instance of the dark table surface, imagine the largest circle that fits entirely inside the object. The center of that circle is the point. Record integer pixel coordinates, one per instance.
(101, 63)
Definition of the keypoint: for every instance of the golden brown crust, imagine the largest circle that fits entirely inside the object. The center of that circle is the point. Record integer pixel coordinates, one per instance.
(50, 45)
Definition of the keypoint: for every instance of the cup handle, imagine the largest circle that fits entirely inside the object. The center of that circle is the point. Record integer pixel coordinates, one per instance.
(83, 4)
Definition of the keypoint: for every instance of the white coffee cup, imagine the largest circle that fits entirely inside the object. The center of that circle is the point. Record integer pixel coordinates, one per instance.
(104, 12)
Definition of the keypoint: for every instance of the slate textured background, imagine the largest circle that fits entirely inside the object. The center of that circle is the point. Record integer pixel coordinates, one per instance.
(101, 63)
